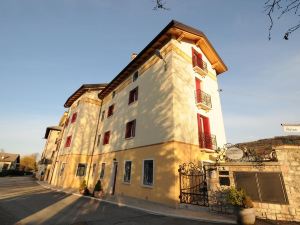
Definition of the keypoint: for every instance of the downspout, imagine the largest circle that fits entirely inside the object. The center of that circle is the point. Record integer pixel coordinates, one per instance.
(96, 134)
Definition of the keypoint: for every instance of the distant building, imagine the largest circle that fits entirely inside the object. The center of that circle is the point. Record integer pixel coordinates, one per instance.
(9, 161)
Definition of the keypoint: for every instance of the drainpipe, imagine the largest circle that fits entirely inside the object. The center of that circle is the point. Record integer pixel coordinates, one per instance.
(89, 170)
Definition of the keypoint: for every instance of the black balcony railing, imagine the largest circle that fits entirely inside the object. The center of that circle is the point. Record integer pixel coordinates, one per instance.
(203, 98)
(208, 141)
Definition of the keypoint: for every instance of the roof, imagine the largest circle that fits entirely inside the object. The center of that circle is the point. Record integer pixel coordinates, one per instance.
(8, 157)
(290, 124)
(48, 129)
(84, 88)
(174, 28)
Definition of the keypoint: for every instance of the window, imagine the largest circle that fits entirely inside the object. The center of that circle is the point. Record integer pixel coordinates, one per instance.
(67, 122)
(62, 169)
(110, 110)
(68, 142)
(133, 95)
(74, 116)
(102, 170)
(113, 94)
(103, 114)
(224, 179)
(148, 172)
(135, 76)
(197, 58)
(94, 169)
(257, 186)
(127, 171)
(130, 129)
(81, 170)
(99, 139)
(106, 138)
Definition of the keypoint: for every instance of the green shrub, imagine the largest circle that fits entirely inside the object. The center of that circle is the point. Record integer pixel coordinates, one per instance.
(98, 186)
(238, 198)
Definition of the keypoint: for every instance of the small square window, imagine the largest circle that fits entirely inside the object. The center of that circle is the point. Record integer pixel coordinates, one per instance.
(68, 142)
(81, 170)
(130, 129)
(74, 116)
(148, 172)
(62, 169)
(94, 169)
(135, 76)
(67, 122)
(99, 140)
(110, 110)
(127, 171)
(102, 170)
(133, 95)
(103, 115)
(106, 138)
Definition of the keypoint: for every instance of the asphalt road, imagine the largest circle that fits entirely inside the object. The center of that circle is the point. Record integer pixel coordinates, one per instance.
(23, 201)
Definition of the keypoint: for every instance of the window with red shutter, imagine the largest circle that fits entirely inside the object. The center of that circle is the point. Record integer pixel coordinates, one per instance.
(74, 116)
(133, 95)
(110, 111)
(68, 142)
(197, 59)
(106, 138)
(205, 140)
(130, 129)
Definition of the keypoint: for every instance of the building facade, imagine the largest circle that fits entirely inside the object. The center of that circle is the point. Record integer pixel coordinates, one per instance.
(161, 111)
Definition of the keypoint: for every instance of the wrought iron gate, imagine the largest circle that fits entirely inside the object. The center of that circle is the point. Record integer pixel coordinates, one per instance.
(193, 185)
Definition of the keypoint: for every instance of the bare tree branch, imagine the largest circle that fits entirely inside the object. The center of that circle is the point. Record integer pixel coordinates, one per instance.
(283, 7)
(160, 4)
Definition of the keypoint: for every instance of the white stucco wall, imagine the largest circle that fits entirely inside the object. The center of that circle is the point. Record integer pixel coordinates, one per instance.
(153, 111)
(185, 108)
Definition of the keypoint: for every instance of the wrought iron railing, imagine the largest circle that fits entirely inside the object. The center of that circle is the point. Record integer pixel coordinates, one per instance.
(201, 64)
(204, 98)
(208, 141)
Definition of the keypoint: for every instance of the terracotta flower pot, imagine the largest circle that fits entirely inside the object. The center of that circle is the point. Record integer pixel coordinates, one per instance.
(98, 194)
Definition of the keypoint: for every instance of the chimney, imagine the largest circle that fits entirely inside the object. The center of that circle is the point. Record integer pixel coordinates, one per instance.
(133, 55)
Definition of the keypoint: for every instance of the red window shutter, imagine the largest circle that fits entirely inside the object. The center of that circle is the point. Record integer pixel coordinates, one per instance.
(208, 141)
(74, 116)
(194, 57)
(198, 90)
(68, 142)
(200, 131)
(110, 111)
(106, 137)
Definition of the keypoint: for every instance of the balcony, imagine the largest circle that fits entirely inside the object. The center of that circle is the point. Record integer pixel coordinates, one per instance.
(208, 141)
(203, 100)
(45, 161)
(200, 67)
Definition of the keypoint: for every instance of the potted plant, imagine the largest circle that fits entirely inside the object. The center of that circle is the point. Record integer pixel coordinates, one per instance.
(98, 191)
(83, 188)
(243, 205)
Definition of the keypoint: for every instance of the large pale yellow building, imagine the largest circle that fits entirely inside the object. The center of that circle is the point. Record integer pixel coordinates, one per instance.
(162, 110)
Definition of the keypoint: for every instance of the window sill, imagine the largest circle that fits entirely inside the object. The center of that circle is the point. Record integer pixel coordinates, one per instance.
(129, 138)
(126, 183)
(132, 103)
(147, 186)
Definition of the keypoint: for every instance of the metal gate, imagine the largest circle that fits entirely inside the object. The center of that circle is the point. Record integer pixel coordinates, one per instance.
(193, 185)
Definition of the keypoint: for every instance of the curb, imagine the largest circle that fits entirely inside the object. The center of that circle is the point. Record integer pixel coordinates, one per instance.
(152, 212)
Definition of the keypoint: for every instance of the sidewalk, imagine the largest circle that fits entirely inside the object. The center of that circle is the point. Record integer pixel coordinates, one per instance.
(197, 213)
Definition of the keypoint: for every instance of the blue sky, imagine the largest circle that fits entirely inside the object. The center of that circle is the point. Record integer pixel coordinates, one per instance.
(48, 48)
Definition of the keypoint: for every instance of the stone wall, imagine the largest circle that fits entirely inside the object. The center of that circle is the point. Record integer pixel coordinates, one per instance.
(288, 163)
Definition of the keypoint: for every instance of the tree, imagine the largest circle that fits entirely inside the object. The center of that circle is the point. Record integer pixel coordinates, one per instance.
(277, 8)
(28, 162)
(282, 8)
